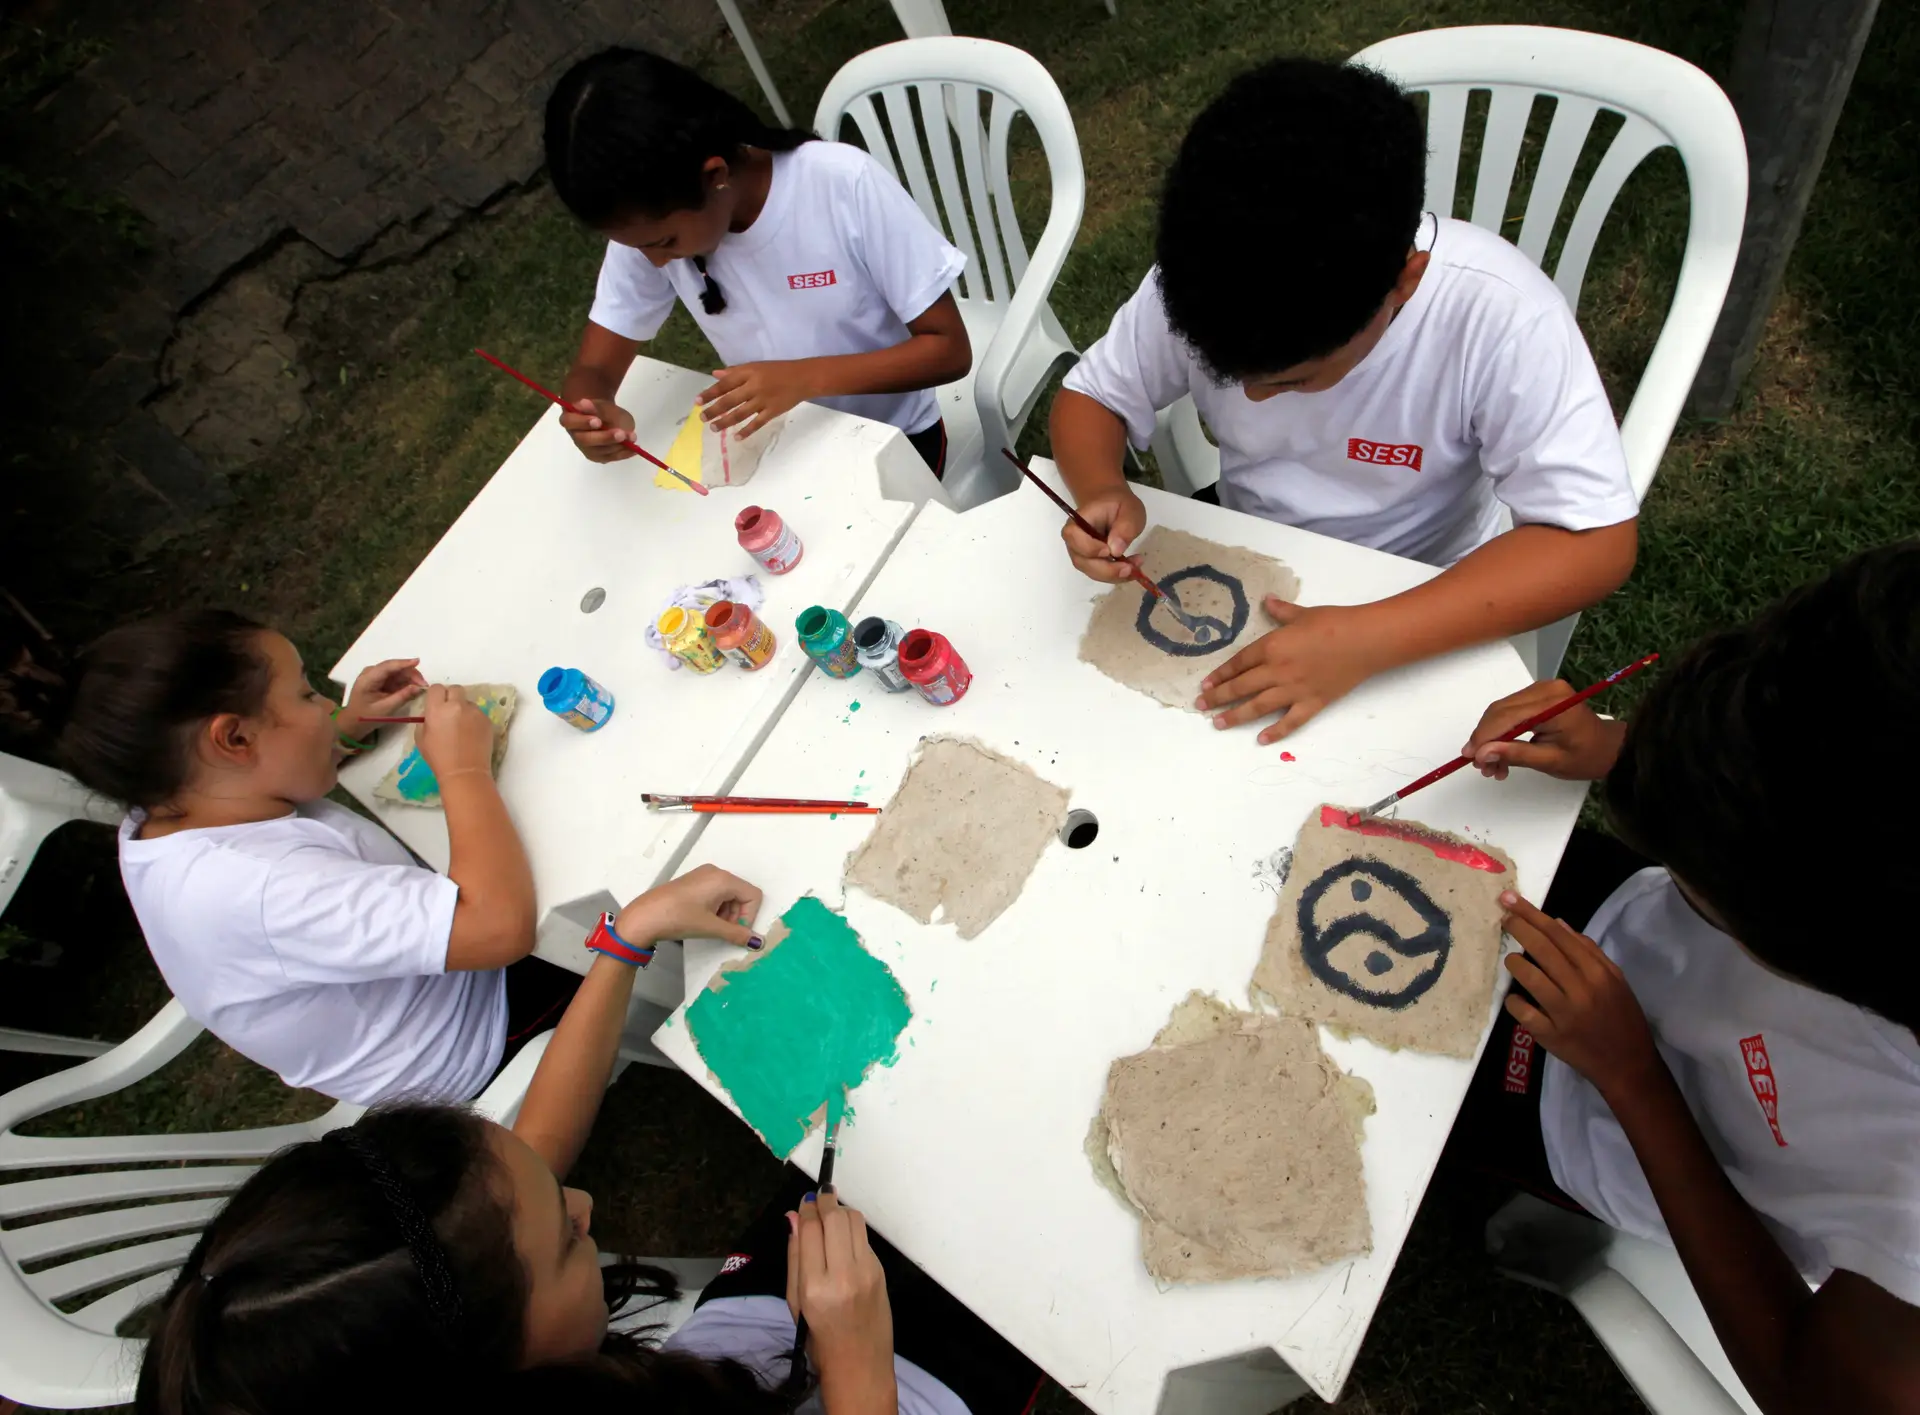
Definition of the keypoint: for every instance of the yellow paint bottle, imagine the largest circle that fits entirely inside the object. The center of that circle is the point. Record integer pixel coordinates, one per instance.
(688, 639)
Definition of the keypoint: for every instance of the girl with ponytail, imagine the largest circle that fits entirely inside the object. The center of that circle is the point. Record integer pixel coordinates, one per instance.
(426, 1259)
(809, 268)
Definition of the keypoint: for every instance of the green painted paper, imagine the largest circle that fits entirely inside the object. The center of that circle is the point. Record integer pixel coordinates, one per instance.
(799, 1026)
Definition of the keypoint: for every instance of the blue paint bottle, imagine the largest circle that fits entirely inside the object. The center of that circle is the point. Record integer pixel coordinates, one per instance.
(575, 698)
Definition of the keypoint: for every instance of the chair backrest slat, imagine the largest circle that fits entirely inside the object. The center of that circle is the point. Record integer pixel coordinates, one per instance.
(1446, 123)
(964, 109)
(1631, 145)
(1566, 138)
(1507, 115)
(999, 132)
(57, 1284)
(72, 1191)
(938, 136)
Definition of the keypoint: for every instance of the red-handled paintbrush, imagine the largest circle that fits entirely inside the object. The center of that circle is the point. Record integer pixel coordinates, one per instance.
(1202, 633)
(553, 397)
(1514, 733)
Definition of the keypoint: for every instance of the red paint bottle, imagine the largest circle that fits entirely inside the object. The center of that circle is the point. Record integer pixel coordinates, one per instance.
(931, 665)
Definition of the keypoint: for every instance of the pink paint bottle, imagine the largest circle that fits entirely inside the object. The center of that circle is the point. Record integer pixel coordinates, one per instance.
(933, 667)
(768, 539)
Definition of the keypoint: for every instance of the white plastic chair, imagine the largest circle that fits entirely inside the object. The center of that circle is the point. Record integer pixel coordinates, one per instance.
(1636, 1296)
(1664, 101)
(68, 1361)
(927, 93)
(35, 801)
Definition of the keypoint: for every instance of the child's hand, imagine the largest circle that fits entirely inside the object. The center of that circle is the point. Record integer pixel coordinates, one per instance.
(456, 736)
(834, 1279)
(599, 428)
(1315, 657)
(761, 392)
(1582, 1009)
(703, 903)
(1578, 745)
(1120, 516)
(380, 691)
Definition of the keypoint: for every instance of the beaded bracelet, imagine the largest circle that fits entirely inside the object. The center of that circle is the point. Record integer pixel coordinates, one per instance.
(345, 740)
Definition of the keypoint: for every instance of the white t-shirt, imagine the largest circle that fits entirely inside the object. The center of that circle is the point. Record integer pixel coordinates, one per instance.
(316, 946)
(837, 262)
(1812, 1105)
(1481, 388)
(758, 1333)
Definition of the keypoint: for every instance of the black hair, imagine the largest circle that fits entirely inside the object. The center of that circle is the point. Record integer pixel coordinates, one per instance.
(120, 720)
(628, 132)
(306, 1296)
(1724, 778)
(1288, 214)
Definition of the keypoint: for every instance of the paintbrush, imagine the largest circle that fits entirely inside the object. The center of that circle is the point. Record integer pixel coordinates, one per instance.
(1202, 633)
(825, 1186)
(389, 719)
(722, 804)
(627, 437)
(1513, 733)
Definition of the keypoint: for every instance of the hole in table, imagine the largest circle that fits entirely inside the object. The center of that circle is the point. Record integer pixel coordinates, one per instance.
(1080, 829)
(592, 600)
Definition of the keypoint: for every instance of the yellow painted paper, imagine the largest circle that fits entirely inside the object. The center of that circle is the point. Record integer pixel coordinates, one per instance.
(683, 456)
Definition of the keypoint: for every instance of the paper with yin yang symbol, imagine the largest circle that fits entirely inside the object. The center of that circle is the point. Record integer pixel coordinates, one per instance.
(1134, 639)
(1389, 931)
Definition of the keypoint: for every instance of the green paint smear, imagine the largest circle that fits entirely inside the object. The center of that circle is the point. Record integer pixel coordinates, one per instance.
(799, 1026)
(854, 706)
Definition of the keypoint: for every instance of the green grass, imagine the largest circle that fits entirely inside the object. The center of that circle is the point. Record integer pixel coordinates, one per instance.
(405, 426)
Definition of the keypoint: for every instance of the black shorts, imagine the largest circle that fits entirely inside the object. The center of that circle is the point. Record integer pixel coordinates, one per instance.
(1498, 1131)
(931, 1327)
(537, 993)
(931, 444)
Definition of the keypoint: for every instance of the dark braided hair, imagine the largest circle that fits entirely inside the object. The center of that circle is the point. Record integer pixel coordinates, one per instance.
(628, 133)
(374, 1272)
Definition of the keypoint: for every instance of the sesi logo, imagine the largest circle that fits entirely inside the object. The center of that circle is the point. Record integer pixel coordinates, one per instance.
(813, 281)
(1384, 454)
(1753, 1051)
(1519, 1061)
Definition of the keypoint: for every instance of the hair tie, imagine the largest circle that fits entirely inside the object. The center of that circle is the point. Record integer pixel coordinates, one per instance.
(429, 1258)
(712, 299)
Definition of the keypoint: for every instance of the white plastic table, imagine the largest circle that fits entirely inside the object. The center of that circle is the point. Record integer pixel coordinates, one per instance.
(967, 1152)
(500, 599)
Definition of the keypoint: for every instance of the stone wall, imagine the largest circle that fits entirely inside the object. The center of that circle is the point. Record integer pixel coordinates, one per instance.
(330, 132)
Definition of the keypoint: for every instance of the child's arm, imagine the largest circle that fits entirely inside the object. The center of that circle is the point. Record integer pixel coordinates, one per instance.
(1850, 1346)
(1528, 577)
(597, 423)
(493, 921)
(936, 351)
(564, 1096)
(1090, 448)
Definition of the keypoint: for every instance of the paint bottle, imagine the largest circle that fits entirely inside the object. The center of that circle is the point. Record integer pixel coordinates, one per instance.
(876, 641)
(933, 667)
(575, 699)
(740, 634)
(768, 539)
(687, 639)
(828, 640)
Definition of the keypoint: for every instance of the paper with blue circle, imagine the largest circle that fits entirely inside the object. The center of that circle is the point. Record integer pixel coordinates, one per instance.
(1135, 640)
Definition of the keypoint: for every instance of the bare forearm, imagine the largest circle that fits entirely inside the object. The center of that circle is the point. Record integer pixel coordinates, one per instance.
(600, 365)
(487, 861)
(862, 1386)
(564, 1098)
(1089, 444)
(921, 361)
(1522, 580)
(1752, 1294)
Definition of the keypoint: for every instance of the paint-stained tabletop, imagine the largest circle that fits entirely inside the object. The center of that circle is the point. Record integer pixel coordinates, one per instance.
(967, 1150)
(504, 596)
